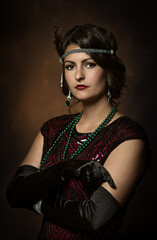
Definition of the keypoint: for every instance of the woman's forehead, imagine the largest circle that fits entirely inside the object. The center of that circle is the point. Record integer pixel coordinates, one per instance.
(71, 47)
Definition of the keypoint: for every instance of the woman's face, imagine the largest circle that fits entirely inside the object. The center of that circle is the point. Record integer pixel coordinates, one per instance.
(85, 79)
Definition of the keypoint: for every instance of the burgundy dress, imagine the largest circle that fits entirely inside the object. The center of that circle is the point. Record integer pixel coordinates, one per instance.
(99, 149)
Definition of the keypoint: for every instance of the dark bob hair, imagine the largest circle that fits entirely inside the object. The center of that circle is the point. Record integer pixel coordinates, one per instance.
(91, 36)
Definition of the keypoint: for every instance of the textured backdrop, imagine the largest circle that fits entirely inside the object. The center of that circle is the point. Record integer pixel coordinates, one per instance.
(30, 90)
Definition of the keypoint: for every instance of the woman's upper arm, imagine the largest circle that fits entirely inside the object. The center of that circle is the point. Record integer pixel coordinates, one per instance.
(126, 164)
(34, 155)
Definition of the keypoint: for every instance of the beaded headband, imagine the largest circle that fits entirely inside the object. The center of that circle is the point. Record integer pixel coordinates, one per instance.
(86, 50)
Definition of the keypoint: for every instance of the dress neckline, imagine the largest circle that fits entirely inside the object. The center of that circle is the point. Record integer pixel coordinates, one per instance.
(88, 134)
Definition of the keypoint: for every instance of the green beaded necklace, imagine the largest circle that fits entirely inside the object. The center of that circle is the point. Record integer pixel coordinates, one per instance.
(72, 125)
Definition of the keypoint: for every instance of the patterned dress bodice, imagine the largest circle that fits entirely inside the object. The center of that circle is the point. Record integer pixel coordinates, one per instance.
(99, 149)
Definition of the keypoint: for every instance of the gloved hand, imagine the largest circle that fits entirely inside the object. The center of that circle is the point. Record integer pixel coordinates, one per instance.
(91, 173)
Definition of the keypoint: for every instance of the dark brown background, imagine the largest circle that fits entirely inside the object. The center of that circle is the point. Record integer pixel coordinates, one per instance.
(30, 90)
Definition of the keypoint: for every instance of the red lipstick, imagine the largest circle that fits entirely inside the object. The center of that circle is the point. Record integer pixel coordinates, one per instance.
(81, 87)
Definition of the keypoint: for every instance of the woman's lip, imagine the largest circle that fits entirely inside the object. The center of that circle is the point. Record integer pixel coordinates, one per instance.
(81, 87)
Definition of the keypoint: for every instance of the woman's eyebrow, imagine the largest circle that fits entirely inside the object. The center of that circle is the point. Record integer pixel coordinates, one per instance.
(84, 60)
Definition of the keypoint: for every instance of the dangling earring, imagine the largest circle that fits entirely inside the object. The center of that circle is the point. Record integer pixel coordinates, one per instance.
(109, 97)
(61, 80)
(68, 99)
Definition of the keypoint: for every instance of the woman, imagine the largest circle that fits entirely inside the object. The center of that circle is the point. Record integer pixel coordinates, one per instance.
(82, 169)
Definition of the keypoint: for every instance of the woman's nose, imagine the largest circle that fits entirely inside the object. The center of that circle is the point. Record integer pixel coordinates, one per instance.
(79, 75)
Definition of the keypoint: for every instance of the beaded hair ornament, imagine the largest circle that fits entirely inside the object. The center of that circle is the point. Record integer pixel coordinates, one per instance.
(86, 50)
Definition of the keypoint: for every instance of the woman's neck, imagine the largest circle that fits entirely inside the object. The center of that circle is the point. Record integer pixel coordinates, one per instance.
(94, 113)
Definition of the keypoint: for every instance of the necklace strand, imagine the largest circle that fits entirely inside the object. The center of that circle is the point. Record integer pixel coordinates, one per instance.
(72, 124)
(97, 130)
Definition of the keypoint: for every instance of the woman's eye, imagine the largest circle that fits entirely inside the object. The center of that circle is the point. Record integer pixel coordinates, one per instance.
(69, 67)
(90, 65)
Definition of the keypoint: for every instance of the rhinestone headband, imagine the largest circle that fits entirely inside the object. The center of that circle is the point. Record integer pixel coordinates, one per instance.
(86, 50)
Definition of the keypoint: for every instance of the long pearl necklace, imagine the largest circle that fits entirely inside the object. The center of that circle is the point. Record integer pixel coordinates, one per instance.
(84, 144)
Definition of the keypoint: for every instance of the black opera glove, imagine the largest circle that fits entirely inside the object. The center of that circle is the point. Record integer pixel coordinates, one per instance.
(28, 186)
(92, 174)
(87, 215)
